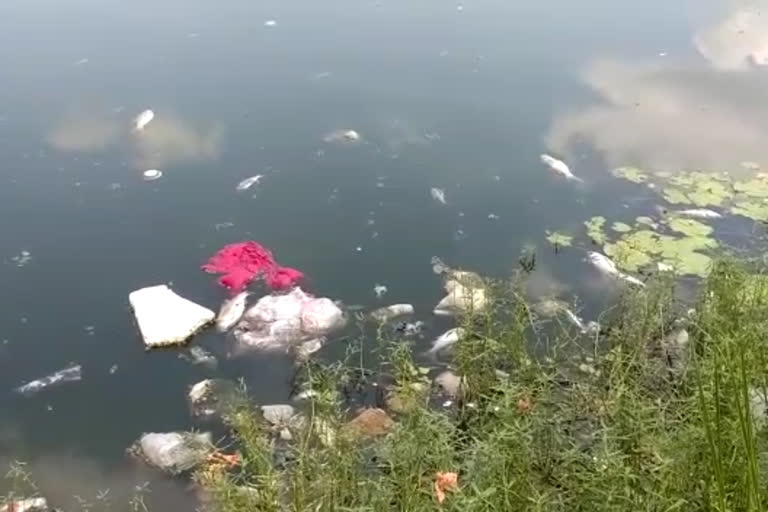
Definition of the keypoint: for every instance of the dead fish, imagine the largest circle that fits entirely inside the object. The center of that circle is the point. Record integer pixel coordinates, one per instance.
(701, 213)
(438, 267)
(231, 311)
(447, 339)
(248, 183)
(559, 167)
(342, 136)
(142, 120)
(551, 308)
(70, 374)
(395, 310)
(438, 195)
(607, 266)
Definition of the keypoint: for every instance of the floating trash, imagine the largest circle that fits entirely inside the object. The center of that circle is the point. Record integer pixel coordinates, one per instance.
(142, 120)
(342, 136)
(201, 357)
(438, 195)
(173, 452)
(81, 62)
(69, 374)
(223, 225)
(212, 398)
(243, 262)
(270, 23)
(248, 182)
(22, 259)
(152, 175)
(380, 290)
(559, 167)
(165, 318)
(231, 311)
(493, 216)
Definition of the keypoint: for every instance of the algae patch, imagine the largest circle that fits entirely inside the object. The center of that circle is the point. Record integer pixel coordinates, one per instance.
(595, 230)
(558, 239)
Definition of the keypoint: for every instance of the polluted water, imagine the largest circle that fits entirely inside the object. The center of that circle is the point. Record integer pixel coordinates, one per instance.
(142, 120)
(559, 167)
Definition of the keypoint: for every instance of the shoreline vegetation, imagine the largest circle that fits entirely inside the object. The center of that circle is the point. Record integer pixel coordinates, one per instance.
(662, 408)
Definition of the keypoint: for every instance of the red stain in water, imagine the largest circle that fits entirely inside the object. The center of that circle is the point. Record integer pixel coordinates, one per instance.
(243, 262)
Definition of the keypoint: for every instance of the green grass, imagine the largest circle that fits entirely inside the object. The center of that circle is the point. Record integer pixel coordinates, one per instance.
(620, 421)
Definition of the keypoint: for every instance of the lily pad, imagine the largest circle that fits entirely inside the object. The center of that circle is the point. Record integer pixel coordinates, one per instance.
(710, 193)
(559, 239)
(595, 229)
(690, 227)
(752, 188)
(620, 227)
(632, 174)
(752, 210)
(675, 196)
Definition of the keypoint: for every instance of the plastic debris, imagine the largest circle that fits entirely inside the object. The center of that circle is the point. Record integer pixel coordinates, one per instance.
(278, 322)
(438, 195)
(166, 318)
(390, 312)
(270, 23)
(22, 258)
(243, 262)
(231, 311)
(248, 183)
(200, 356)
(213, 398)
(26, 505)
(342, 136)
(70, 374)
(380, 290)
(142, 120)
(152, 175)
(559, 167)
(173, 452)
(445, 482)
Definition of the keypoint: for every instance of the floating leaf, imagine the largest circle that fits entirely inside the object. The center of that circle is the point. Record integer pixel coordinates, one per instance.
(752, 188)
(620, 227)
(690, 227)
(710, 193)
(595, 229)
(559, 239)
(675, 196)
(751, 210)
(632, 174)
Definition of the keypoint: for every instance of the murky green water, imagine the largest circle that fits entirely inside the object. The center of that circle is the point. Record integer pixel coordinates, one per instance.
(459, 96)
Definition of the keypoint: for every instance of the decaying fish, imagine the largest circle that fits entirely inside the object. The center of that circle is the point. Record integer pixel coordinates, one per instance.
(559, 167)
(231, 311)
(200, 356)
(605, 265)
(438, 195)
(389, 312)
(700, 213)
(142, 120)
(342, 136)
(550, 308)
(447, 339)
(70, 374)
(248, 182)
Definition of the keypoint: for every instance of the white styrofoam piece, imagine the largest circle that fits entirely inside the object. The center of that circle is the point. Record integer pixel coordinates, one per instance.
(166, 318)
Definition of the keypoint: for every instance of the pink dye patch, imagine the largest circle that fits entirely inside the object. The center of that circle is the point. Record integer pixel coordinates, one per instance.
(243, 262)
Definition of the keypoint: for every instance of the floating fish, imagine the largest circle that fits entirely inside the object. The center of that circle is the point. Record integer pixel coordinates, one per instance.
(142, 120)
(342, 136)
(70, 374)
(559, 167)
(607, 266)
(231, 311)
(551, 308)
(393, 311)
(380, 290)
(152, 175)
(438, 194)
(248, 182)
(701, 213)
(447, 339)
